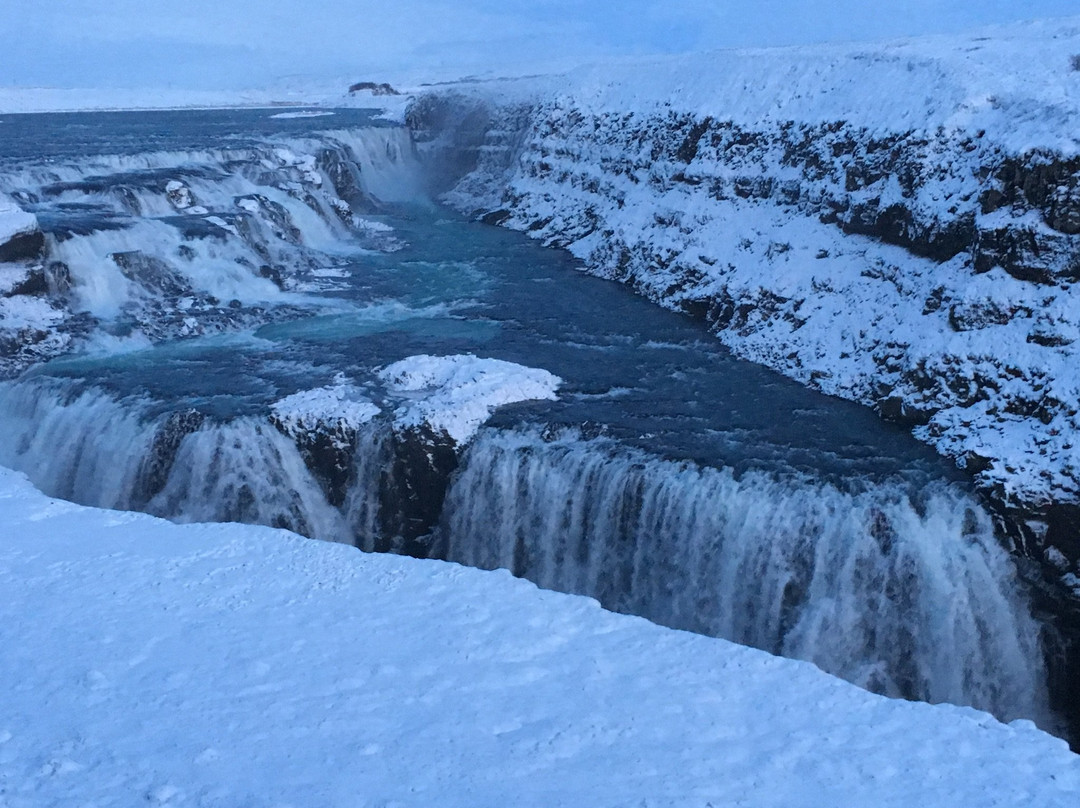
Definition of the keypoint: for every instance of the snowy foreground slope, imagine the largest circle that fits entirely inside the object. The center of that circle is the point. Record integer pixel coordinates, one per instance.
(898, 224)
(225, 665)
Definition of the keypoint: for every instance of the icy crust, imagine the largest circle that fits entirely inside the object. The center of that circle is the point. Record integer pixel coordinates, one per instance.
(14, 221)
(340, 407)
(896, 224)
(140, 669)
(456, 394)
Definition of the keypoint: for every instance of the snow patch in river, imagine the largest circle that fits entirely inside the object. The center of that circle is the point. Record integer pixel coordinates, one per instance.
(307, 113)
(457, 394)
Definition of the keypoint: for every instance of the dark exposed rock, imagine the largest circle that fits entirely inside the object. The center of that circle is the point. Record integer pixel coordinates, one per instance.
(155, 471)
(344, 176)
(36, 283)
(273, 274)
(898, 410)
(375, 88)
(23, 247)
(276, 215)
(1063, 530)
(151, 273)
(495, 217)
(414, 488)
(328, 452)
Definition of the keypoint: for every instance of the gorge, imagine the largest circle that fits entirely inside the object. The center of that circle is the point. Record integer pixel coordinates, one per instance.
(276, 323)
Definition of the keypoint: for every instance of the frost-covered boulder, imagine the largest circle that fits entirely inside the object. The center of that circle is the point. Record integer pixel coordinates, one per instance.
(20, 236)
(325, 424)
(442, 402)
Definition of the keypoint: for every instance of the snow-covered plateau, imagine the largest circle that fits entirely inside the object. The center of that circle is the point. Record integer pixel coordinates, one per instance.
(897, 224)
(224, 665)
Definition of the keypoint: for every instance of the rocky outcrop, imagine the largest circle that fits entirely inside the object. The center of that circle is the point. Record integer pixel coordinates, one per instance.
(22, 247)
(21, 238)
(373, 87)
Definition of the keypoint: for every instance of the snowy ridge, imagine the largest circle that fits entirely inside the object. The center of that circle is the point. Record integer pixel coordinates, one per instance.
(456, 394)
(140, 670)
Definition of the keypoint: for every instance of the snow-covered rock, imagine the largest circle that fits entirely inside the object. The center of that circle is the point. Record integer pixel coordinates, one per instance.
(340, 407)
(897, 224)
(20, 236)
(155, 663)
(325, 425)
(456, 394)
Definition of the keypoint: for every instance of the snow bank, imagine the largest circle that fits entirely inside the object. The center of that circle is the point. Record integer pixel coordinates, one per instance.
(457, 394)
(14, 221)
(338, 407)
(147, 662)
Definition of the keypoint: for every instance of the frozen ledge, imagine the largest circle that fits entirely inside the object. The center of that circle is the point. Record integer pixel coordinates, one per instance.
(208, 664)
(14, 221)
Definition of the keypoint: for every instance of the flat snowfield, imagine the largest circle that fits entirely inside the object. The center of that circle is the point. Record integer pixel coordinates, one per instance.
(226, 665)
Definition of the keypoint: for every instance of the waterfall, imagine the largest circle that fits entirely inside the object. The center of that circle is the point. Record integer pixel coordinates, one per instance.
(907, 596)
(87, 447)
(80, 445)
(218, 225)
(246, 471)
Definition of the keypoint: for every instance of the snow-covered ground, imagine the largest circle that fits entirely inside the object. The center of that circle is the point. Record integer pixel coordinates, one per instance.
(225, 665)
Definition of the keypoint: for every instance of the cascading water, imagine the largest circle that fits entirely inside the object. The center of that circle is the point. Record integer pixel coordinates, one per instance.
(905, 594)
(176, 243)
(94, 450)
(908, 597)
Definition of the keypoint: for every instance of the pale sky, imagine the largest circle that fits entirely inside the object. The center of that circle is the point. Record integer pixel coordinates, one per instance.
(228, 44)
